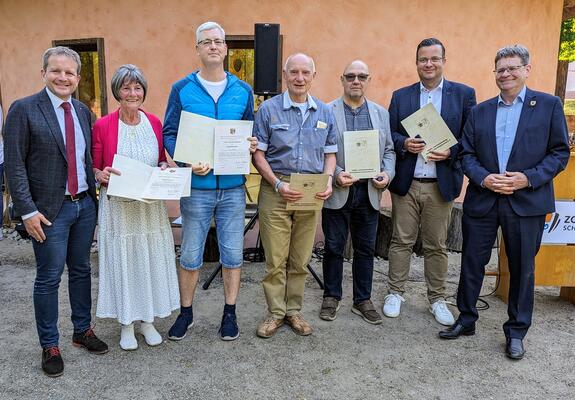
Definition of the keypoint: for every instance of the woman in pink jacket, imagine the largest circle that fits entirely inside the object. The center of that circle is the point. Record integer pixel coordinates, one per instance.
(138, 278)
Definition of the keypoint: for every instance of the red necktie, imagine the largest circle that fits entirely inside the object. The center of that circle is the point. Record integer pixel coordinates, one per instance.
(70, 149)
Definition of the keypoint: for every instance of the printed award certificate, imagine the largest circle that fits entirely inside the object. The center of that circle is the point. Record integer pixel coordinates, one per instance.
(309, 185)
(361, 153)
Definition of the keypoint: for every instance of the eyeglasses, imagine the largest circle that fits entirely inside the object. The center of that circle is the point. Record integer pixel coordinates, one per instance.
(434, 60)
(351, 77)
(512, 69)
(208, 42)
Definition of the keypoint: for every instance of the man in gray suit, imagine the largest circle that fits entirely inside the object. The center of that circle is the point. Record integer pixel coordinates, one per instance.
(49, 170)
(354, 204)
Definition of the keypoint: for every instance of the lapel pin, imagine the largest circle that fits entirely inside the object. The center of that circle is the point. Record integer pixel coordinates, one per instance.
(532, 103)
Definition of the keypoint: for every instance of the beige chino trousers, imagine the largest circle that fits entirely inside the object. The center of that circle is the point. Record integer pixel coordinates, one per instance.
(422, 206)
(287, 237)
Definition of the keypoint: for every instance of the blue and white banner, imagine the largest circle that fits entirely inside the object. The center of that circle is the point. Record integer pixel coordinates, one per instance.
(559, 226)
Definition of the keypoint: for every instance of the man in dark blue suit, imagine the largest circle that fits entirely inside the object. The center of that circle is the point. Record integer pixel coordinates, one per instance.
(423, 191)
(513, 147)
(49, 170)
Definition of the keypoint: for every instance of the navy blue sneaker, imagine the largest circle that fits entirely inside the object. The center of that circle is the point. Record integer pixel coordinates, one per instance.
(181, 326)
(229, 328)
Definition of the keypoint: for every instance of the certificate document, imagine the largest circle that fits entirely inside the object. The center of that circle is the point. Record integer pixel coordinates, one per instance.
(232, 150)
(361, 153)
(428, 124)
(309, 185)
(168, 184)
(195, 141)
(139, 181)
(196, 138)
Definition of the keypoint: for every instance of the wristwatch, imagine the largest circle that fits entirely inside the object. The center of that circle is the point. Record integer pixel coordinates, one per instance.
(277, 185)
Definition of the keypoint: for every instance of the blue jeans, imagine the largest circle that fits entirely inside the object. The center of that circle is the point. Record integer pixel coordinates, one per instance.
(227, 207)
(358, 216)
(68, 241)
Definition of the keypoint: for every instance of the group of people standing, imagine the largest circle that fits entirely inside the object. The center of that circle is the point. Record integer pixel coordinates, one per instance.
(510, 147)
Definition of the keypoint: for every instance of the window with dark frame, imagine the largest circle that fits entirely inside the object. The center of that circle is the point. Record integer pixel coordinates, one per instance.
(92, 87)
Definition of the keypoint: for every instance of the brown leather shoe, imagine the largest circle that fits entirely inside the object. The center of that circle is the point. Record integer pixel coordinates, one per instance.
(329, 308)
(367, 311)
(298, 324)
(268, 327)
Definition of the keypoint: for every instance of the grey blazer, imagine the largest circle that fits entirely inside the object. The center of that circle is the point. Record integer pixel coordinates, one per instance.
(379, 120)
(36, 166)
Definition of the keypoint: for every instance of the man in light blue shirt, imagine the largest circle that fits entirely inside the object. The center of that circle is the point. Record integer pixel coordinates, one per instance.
(296, 134)
(506, 123)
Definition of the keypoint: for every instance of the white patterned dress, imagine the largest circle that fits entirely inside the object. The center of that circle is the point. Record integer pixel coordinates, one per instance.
(138, 278)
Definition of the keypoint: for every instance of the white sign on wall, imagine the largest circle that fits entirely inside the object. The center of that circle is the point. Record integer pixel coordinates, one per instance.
(559, 226)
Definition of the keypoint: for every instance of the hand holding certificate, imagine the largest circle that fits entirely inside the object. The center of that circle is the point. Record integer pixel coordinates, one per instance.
(427, 124)
(361, 153)
(309, 185)
(139, 181)
(207, 141)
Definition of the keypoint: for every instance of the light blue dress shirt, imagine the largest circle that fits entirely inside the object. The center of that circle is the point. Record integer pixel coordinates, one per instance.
(295, 143)
(506, 127)
(427, 169)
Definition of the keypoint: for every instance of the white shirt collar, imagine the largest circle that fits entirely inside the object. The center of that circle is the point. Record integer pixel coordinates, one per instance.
(439, 87)
(56, 101)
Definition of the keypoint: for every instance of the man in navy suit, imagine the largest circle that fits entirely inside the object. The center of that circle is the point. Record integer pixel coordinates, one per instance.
(422, 192)
(513, 146)
(49, 170)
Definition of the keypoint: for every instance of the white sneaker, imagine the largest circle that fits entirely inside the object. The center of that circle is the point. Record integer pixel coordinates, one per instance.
(127, 339)
(392, 305)
(153, 338)
(441, 313)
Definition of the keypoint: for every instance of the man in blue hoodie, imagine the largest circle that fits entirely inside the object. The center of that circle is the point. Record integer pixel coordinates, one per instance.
(214, 93)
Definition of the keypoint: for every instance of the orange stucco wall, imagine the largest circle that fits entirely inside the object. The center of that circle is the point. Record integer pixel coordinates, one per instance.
(158, 36)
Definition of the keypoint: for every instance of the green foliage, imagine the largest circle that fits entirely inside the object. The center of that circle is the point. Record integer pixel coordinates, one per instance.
(567, 47)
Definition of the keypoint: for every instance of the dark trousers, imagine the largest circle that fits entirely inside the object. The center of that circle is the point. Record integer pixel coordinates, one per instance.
(68, 241)
(522, 237)
(359, 217)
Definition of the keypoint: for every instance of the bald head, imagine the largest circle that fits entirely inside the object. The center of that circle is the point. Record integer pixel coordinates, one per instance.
(299, 71)
(356, 65)
(299, 58)
(355, 80)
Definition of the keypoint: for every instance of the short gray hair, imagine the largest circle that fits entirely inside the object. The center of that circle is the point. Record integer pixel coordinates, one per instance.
(312, 63)
(128, 73)
(206, 26)
(61, 51)
(516, 50)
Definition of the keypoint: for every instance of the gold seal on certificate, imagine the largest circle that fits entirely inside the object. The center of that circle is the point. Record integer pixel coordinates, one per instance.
(361, 153)
(429, 126)
(309, 185)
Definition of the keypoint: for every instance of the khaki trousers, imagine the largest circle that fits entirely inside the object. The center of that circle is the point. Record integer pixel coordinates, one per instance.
(287, 237)
(422, 205)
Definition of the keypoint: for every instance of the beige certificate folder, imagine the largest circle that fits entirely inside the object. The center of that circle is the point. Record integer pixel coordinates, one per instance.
(428, 124)
(361, 153)
(309, 185)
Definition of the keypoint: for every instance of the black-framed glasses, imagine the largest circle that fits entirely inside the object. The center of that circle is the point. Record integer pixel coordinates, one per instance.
(512, 69)
(208, 42)
(351, 77)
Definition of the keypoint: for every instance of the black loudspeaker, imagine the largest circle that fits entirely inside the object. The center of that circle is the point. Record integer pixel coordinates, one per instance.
(268, 58)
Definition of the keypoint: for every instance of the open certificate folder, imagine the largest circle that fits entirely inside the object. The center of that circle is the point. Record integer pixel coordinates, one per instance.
(196, 143)
(139, 181)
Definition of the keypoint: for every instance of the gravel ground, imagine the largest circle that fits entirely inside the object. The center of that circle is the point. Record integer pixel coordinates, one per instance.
(343, 359)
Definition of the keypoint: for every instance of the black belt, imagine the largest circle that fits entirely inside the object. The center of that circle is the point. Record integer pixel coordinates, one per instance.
(425, 180)
(78, 196)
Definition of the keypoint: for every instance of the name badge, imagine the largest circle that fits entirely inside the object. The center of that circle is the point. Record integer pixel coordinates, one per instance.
(321, 125)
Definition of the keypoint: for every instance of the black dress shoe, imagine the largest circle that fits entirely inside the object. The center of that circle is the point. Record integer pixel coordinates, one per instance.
(52, 363)
(456, 330)
(514, 349)
(90, 342)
